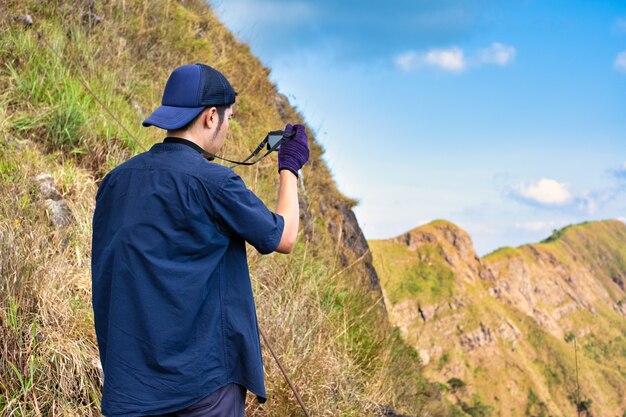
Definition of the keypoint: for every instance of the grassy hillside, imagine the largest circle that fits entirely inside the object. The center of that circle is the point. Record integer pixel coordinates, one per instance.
(504, 334)
(426, 278)
(321, 306)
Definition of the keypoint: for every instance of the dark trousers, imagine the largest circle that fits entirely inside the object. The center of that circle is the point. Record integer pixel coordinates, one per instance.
(228, 401)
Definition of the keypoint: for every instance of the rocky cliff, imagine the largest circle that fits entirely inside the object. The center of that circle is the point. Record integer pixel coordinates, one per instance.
(508, 331)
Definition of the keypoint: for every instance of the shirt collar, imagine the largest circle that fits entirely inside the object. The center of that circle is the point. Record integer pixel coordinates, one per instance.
(192, 145)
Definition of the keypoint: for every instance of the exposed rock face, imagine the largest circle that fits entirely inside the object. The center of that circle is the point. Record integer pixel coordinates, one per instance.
(509, 331)
(477, 338)
(620, 307)
(533, 279)
(546, 288)
(455, 246)
(56, 206)
(508, 309)
(387, 411)
(354, 245)
(448, 319)
(404, 314)
(427, 312)
(618, 278)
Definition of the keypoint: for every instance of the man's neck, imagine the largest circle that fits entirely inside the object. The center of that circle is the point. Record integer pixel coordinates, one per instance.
(191, 144)
(184, 134)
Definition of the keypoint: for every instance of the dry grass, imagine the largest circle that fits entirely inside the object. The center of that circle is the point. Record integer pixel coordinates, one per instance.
(327, 325)
(47, 344)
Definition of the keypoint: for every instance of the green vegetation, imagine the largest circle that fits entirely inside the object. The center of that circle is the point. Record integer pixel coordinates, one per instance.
(552, 376)
(456, 384)
(317, 305)
(423, 275)
(443, 360)
(582, 406)
(585, 405)
(541, 361)
(600, 246)
(503, 250)
(477, 408)
(442, 387)
(603, 349)
(535, 407)
(556, 234)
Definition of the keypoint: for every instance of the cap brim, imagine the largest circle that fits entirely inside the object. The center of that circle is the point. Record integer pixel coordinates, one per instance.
(172, 118)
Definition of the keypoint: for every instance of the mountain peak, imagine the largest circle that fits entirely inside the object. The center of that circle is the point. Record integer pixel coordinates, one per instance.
(438, 231)
(446, 241)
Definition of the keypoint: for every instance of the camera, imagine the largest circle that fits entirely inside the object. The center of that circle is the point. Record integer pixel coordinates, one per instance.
(276, 137)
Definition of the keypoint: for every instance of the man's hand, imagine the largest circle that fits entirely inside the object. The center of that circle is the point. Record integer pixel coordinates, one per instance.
(294, 153)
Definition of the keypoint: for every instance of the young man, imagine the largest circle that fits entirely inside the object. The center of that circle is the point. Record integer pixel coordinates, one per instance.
(173, 306)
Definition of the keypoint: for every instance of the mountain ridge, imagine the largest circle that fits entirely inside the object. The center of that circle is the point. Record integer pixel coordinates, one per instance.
(511, 315)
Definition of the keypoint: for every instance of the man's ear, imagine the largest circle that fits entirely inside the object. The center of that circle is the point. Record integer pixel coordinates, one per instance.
(210, 117)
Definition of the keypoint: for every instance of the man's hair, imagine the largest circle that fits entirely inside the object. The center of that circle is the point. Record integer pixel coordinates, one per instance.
(221, 111)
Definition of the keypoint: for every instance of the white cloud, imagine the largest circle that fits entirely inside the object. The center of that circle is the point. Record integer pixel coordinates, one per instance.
(620, 24)
(498, 54)
(620, 62)
(451, 59)
(545, 191)
(622, 219)
(538, 226)
(408, 61)
(553, 194)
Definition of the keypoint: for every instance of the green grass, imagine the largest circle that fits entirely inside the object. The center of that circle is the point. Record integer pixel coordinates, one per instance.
(501, 250)
(477, 408)
(556, 234)
(325, 322)
(49, 103)
(535, 407)
(543, 362)
(422, 275)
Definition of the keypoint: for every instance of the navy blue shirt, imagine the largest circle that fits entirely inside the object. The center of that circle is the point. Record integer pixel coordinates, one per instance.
(173, 305)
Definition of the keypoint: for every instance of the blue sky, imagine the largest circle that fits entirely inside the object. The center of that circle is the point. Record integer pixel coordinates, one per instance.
(506, 118)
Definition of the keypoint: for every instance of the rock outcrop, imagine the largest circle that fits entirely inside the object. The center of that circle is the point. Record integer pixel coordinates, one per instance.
(56, 206)
(454, 245)
(514, 312)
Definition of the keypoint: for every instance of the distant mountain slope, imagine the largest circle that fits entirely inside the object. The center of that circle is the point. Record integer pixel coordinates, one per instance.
(498, 332)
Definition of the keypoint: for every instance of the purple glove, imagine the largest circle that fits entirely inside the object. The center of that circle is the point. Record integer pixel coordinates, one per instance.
(293, 153)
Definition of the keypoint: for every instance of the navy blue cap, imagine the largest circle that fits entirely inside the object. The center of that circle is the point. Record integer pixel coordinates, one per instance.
(189, 90)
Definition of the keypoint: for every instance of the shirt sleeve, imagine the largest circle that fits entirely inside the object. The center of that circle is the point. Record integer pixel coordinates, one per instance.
(245, 215)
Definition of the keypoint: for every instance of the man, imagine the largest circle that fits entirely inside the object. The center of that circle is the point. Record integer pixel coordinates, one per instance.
(173, 306)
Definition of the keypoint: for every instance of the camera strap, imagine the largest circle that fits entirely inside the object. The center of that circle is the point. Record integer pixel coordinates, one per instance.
(265, 143)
